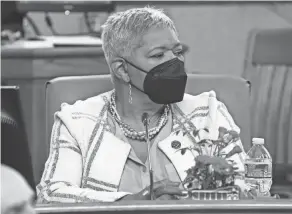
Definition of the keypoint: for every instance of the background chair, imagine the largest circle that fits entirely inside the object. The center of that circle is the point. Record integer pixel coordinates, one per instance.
(268, 67)
(233, 91)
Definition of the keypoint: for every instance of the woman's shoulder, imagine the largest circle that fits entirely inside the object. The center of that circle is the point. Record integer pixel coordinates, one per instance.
(199, 97)
(91, 106)
(81, 117)
(203, 101)
(197, 100)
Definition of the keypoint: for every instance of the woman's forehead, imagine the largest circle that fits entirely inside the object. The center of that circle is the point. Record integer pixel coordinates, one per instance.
(158, 38)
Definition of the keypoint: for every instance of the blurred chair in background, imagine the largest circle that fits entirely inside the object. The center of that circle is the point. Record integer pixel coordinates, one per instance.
(71, 89)
(14, 146)
(268, 66)
(17, 182)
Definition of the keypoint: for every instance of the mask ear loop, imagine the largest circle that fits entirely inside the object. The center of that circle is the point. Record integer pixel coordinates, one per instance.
(135, 66)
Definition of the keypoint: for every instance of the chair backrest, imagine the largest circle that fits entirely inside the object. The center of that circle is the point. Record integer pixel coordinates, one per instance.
(269, 69)
(233, 91)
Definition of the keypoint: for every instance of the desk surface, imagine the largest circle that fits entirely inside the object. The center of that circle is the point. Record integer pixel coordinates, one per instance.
(238, 207)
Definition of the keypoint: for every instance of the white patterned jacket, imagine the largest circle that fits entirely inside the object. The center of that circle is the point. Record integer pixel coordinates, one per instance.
(81, 135)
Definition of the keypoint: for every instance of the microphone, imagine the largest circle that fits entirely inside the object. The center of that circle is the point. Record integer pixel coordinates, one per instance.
(145, 121)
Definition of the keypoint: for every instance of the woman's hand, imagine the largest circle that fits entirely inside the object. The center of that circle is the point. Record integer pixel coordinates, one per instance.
(165, 188)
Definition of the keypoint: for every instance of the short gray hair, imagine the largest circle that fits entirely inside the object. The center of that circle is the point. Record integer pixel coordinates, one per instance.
(121, 30)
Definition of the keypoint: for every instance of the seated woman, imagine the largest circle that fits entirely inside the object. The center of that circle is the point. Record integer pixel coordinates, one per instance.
(98, 146)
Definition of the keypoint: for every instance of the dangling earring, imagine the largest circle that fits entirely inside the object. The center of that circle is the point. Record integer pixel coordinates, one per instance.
(130, 93)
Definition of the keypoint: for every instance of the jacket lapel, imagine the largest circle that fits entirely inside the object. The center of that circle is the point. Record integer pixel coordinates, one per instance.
(105, 160)
(172, 147)
(190, 116)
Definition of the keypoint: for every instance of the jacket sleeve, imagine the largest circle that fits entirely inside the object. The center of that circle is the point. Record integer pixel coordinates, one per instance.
(62, 177)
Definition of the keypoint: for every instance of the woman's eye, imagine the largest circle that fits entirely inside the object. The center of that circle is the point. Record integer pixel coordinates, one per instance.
(179, 53)
(157, 55)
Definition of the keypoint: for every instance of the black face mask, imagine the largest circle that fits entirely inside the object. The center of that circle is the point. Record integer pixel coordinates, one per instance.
(165, 83)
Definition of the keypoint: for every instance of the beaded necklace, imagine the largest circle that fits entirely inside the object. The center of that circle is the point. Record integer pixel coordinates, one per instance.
(128, 131)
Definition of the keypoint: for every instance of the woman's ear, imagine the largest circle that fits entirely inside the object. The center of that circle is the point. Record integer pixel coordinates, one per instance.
(120, 70)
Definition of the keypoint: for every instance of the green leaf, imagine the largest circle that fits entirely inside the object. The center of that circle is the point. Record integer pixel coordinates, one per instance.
(183, 151)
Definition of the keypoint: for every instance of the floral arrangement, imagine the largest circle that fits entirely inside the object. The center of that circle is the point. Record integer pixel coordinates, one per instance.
(212, 170)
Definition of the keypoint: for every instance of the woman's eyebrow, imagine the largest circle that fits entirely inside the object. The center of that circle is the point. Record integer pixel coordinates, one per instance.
(164, 46)
(157, 47)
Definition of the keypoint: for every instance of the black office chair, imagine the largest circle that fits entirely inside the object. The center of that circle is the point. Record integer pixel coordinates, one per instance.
(14, 146)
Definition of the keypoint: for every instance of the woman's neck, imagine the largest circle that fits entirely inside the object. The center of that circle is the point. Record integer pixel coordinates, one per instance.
(140, 104)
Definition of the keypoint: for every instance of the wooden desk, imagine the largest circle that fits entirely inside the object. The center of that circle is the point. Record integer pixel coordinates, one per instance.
(31, 69)
(174, 207)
